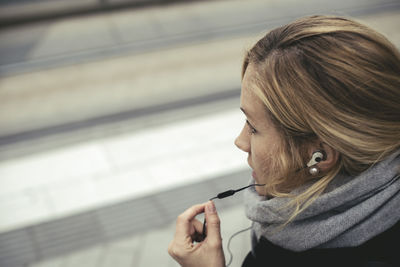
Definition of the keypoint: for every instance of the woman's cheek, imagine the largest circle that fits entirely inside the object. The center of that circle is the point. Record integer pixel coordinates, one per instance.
(260, 190)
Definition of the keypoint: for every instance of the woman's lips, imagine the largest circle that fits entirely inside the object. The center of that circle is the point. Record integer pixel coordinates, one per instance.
(254, 175)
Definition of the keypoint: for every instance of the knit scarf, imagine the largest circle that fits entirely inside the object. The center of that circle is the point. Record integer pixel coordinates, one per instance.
(351, 211)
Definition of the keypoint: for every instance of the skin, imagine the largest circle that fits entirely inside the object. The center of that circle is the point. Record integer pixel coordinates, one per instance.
(259, 138)
(206, 253)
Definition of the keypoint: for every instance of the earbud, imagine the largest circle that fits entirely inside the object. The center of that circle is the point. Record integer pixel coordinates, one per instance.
(316, 157)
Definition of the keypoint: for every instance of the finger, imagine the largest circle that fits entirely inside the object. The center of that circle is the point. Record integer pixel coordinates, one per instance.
(198, 231)
(198, 226)
(213, 225)
(183, 223)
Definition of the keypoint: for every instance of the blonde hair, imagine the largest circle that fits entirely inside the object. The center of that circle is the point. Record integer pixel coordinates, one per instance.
(329, 79)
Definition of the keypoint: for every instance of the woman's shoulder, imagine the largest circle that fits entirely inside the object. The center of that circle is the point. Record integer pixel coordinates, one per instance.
(378, 251)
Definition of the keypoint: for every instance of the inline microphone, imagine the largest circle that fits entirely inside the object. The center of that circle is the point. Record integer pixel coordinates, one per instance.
(222, 195)
(231, 192)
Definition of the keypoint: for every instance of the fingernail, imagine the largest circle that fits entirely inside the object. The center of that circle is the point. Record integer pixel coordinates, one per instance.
(211, 207)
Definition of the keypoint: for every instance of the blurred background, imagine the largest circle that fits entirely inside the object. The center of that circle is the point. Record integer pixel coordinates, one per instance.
(117, 115)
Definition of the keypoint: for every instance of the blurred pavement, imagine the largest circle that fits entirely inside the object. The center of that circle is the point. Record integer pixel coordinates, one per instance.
(109, 63)
(112, 124)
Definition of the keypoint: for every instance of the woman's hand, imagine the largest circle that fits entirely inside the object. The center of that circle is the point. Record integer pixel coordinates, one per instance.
(209, 251)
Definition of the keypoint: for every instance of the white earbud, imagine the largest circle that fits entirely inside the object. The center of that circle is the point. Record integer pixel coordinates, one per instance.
(317, 156)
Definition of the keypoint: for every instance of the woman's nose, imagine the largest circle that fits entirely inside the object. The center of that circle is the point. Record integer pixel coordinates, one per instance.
(242, 141)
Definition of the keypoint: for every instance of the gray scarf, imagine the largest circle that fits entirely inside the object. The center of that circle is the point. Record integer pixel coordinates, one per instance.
(351, 211)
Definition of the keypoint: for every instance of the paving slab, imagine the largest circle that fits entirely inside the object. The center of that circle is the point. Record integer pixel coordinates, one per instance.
(114, 65)
(150, 247)
(190, 67)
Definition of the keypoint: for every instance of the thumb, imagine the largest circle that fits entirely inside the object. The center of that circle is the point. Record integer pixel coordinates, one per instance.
(213, 225)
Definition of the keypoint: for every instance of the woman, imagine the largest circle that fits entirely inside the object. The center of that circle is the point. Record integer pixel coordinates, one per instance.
(322, 101)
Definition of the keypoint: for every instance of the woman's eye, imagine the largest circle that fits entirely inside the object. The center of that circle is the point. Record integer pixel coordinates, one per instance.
(252, 129)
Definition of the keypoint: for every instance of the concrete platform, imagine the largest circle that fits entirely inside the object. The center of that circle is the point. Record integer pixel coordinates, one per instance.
(109, 63)
(150, 248)
(77, 177)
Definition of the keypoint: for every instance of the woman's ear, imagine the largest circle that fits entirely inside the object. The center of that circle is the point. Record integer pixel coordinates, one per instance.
(331, 156)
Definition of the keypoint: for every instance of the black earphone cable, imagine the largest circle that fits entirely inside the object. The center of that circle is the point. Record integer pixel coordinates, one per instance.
(317, 157)
(222, 195)
(232, 192)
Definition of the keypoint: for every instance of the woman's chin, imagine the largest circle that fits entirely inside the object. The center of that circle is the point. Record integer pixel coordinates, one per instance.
(259, 189)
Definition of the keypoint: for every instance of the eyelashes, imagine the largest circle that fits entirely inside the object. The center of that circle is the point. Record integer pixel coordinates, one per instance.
(252, 130)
